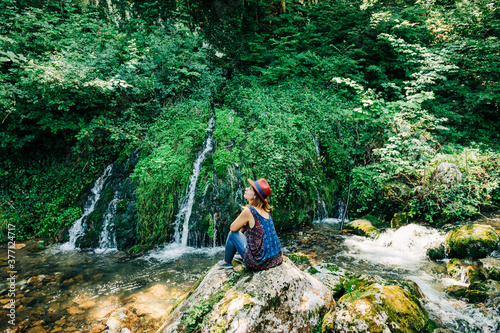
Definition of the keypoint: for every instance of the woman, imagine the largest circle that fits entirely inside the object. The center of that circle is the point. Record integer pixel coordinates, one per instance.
(260, 249)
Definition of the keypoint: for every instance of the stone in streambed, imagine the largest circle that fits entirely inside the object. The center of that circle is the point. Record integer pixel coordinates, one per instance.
(436, 251)
(282, 298)
(472, 241)
(37, 329)
(363, 227)
(377, 308)
(462, 271)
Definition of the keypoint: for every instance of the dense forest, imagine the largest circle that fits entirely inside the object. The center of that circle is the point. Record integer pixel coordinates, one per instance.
(329, 101)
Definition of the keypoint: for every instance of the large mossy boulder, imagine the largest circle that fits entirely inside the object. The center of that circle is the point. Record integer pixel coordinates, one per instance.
(377, 308)
(280, 299)
(472, 241)
(365, 226)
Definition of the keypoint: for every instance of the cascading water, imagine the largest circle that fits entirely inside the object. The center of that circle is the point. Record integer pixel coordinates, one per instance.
(107, 238)
(316, 144)
(187, 202)
(78, 228)
(180, 245)
(401, 254)
(321, 212)
(215, 230)
(341, 210)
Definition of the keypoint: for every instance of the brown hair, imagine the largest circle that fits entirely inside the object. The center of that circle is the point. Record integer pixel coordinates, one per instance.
(258, 203)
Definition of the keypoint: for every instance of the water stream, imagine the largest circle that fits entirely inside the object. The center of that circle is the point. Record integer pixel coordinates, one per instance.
(77, 229)
(107, 237)
(181, 235)
(401, 254)
(78, 291)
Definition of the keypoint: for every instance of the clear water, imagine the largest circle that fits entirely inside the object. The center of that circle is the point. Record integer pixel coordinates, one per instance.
(57, 288)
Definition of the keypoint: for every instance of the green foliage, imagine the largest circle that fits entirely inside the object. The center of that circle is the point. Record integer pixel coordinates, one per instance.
(192, 320)
(163, 174)
(388, 90)
(298, 258)
(38, 191)
(76, 89)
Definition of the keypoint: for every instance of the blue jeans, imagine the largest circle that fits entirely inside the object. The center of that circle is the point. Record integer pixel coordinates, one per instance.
(236, 241)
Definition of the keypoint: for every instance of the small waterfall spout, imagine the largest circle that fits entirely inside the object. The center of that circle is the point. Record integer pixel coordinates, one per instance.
(316, 144)
(78, 228)
(107, 237)
(181, 235)
(321, 211)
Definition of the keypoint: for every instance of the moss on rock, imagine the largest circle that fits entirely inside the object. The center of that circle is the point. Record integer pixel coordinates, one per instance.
(454, 268)
(378, 309)
(363, 227)
(472, 241)
(437, 251)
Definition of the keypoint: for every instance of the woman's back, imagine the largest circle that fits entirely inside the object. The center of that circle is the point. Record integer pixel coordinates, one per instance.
(264, 248)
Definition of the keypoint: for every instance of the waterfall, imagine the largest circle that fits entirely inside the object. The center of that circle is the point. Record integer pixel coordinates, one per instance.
(107, 239)
(78, 228)
(215, 230)
(181, 236)
(321, 211)
(331, 220)
(316, 143)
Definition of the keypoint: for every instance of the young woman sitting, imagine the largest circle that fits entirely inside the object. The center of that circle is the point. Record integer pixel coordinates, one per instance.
(259, 247)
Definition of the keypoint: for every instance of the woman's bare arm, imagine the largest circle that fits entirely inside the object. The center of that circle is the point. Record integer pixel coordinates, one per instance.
(244, 217)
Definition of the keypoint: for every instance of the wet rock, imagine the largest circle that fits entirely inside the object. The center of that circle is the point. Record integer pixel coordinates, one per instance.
(473, 274)
(436, 251)
(98, 329)
(471, 295)
(377, 309)
(283, 298)
(57, 329)
(362, 227)
(490, 268)
(60, 322)
(117, 320)
(74, 311)
(399, 219)
(68, 282)
(463, 271)
(447, 174)
(37, 329)
(472, 241)
(87, 305)
(155, 302)
(454, 268)
(331, 276)
(410, 286)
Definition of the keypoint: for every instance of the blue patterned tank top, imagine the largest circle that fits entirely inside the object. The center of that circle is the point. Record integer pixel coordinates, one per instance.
(264, 248)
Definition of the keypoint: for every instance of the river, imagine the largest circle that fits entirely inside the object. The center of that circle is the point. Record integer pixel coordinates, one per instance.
(77, 291)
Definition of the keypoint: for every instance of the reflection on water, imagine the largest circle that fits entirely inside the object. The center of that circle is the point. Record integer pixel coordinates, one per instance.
(81, 290)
